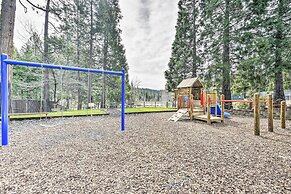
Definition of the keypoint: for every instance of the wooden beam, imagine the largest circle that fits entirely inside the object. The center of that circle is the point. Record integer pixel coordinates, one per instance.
(270, 114)
(215, 108)
(208, 109)
(191, 107)
(257, 114)
(283, 114)
(222, 109)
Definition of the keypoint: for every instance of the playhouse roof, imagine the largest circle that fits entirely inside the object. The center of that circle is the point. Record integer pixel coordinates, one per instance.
(191, 82)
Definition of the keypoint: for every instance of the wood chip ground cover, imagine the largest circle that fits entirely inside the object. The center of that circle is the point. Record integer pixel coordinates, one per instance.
(91, 155)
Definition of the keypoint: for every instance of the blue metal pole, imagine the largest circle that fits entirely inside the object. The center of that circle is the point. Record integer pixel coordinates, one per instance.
(4, 99)
(123, 100)
(50, 66)
(4, 87)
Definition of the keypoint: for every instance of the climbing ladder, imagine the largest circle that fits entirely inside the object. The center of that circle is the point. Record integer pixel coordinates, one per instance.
(175, 117)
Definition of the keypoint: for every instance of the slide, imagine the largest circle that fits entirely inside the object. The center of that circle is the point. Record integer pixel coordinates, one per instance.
(226, 115)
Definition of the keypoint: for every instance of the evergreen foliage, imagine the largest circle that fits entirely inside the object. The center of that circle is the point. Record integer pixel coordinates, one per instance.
(79, 25)
(242, 46)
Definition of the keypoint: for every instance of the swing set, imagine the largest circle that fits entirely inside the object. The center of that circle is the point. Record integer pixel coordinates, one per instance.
(4, 87)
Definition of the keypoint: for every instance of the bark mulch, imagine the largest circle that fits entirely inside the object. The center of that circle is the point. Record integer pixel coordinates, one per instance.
(92, 155)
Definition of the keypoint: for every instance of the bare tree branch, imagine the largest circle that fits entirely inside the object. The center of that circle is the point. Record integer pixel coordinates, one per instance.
(55, 28)
(37, 7)
(25, 8)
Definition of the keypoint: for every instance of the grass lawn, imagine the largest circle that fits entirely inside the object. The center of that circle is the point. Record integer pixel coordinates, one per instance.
(149, 109)
(71, 113)
(68, 113)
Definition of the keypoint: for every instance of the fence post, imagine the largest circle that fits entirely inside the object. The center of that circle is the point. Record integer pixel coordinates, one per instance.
(155, 104)
(256, 114)
(4, 100)
(222, 108)
(283, 114)
(270, 114)
(208, 109)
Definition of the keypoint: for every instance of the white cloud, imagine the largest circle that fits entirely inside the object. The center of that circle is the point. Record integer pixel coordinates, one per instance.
(148, 40)
(24, 21)
(148, 30)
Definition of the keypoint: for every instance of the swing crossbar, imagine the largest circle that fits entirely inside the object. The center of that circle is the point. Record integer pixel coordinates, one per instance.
(61, 67)
(4, 88)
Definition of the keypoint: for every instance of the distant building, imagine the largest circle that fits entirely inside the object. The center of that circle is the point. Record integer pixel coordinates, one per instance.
(286, 92)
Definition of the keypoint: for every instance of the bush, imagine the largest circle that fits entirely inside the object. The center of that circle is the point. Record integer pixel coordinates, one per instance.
(241, 105)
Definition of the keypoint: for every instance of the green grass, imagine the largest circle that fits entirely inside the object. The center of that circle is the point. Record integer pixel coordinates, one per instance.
(148, 109)
(68, 113)
(71, 113)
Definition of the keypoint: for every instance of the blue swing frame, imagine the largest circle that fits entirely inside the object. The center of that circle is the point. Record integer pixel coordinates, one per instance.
(4, 88)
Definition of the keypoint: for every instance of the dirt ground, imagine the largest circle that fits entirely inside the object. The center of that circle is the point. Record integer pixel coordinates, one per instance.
(92, 155)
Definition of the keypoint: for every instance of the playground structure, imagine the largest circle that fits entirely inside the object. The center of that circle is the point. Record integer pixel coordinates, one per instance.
(5, 62)
(204, 105)
(192, 100)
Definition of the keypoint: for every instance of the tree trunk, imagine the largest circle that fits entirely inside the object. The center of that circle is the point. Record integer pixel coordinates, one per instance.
(79, 106)
(194, 51)
(46, 99)
(55, 86)
(105, 53)
(7, 26)
(279, 85)
(6, 37)
(225, 56)
(67, 103)
(89, 96)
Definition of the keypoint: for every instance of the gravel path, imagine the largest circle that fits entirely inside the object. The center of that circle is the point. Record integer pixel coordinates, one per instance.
(91, 155)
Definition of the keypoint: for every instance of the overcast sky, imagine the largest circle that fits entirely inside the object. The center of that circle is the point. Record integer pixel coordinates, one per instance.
(148, 30)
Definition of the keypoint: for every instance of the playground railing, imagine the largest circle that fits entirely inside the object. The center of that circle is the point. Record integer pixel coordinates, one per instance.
(256, 106)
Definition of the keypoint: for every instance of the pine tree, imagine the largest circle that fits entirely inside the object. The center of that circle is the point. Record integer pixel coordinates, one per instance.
(184, 61)
(283, 30)
(264, 46)
(113, 52)
(221, 21)
(86, 31)
(243, 46)
(7, 20)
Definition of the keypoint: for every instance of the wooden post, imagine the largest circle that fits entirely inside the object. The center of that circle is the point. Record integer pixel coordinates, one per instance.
(270, 114)
(222, 109)
(190, 101)
(193, 103)
(208, 109)
(283, 114)
(257, 114)
(143, 103)
(167, 104)
(215, 108)
(155, 104)
(191, 106)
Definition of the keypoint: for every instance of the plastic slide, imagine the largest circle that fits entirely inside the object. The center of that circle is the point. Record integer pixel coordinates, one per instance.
(212, 111)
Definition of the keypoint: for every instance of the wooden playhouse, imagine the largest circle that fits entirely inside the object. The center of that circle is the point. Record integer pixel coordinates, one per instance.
(192, 100)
